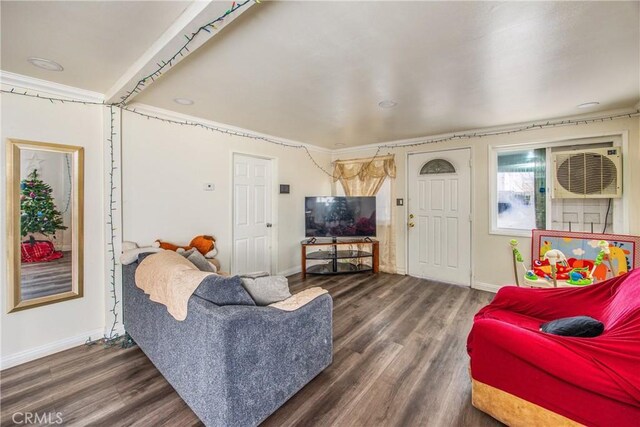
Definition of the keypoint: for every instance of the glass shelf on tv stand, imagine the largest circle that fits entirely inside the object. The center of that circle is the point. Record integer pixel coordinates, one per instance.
(340, 268)
(332, 260)
(338, 254)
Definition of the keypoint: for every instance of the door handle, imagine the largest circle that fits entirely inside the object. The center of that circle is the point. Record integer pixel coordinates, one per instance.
(411, 225)
(269, 225)
(410, 216)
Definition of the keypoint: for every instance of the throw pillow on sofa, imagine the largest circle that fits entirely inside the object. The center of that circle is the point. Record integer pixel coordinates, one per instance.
(577, 326)
(201, 262)
(186, 254)
(267, 290)
(222, 290)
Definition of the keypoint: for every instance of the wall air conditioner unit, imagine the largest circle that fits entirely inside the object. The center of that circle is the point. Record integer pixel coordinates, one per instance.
(587, 174)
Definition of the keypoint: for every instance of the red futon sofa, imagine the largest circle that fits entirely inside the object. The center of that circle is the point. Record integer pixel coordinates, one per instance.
(525, 377)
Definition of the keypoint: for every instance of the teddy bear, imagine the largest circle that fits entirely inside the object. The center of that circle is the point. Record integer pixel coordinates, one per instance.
(206, 245)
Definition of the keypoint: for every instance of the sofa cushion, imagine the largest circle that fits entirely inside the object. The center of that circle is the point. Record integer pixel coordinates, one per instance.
(222, 290)
(577, 326)
(267, 290)
(517, 319)
(201, 262)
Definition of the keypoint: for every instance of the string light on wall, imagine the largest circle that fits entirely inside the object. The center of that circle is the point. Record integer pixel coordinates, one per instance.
(231, 132)
(190, 123)
(514, 130)
(112, 337)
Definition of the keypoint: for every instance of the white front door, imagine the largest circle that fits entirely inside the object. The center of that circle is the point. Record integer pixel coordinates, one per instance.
(251, 214)
(439, 223)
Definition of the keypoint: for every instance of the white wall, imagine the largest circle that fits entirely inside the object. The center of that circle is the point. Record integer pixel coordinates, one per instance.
(37, 331)
(491, 257)
(165, 167)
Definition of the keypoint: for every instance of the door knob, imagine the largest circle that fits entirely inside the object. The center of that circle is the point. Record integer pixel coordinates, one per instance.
(411, 225)
(410, 216)
(269, 225)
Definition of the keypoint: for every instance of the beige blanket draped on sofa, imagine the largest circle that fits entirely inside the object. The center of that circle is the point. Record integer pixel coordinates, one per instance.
(364, 177)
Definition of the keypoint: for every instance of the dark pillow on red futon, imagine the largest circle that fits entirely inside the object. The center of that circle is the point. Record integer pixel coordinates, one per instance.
(578, 326)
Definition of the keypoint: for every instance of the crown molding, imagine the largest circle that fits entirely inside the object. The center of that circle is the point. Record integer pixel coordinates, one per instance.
(38, 85)
(512, 126)
(173, 115)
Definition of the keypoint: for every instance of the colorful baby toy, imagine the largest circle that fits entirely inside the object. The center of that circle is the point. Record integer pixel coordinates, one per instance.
(554, 269)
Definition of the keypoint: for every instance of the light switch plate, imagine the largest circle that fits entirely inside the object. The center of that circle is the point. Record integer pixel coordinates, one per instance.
(399, 202)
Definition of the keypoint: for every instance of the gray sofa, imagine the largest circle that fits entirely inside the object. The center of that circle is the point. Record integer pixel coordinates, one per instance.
(233, 365)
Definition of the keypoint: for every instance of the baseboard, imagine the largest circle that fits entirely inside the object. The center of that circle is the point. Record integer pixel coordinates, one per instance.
(290, 271)
(47, 349)
(401, 271)
(489, 287)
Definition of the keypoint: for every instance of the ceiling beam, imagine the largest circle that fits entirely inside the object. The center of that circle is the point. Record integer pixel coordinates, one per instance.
(196, 15)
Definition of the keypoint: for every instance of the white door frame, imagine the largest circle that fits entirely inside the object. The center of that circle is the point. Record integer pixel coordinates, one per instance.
(274, 207)
(471, 206)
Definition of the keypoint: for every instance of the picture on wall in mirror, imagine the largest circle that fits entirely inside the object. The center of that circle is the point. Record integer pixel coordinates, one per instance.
(45, 223)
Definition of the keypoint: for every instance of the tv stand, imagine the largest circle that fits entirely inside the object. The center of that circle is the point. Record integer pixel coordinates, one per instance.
(331, 257)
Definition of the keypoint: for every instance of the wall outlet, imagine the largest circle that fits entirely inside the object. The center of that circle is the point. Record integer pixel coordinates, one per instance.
(208, 186)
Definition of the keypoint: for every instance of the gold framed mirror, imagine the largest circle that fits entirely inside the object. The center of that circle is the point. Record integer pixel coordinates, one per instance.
(45, 185)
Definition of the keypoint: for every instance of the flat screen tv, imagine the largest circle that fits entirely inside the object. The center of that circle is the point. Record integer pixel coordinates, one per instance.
(340, 216)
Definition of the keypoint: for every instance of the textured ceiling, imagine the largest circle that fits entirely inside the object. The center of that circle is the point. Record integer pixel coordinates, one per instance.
(95, 41)
(316, 71)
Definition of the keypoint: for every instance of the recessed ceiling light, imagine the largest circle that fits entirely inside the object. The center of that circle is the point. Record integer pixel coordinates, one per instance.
(387, 103)
(339, 144)
(588, 104)
(45, 64)
(183, 101)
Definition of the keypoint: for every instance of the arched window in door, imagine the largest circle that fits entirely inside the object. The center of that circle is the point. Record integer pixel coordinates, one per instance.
(437, 166)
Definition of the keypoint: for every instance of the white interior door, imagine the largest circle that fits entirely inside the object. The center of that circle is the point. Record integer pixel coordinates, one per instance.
(439, 223)
(251, 214)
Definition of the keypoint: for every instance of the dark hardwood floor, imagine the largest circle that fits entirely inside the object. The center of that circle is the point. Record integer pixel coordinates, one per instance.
(399, 360)
(41, 279)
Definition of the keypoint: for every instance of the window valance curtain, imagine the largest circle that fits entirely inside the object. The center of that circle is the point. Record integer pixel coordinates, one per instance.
(370, 174)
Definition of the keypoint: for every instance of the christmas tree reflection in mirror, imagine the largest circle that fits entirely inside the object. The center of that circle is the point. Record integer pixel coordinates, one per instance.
(44, 193)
